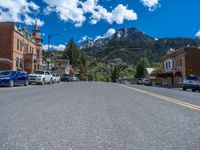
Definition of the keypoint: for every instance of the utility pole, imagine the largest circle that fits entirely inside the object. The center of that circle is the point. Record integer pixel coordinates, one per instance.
(49, 43)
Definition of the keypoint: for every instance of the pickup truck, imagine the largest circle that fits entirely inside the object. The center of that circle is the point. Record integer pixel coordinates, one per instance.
(41, 77)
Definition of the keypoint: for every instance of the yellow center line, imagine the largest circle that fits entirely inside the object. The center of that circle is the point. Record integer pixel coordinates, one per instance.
(172, 100)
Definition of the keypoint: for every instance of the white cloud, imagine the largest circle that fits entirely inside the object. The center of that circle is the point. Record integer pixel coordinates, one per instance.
(198, 34)
(152, 4)
(19, 11)
(30, 21)
(118, 15)
(108, 34)
(67, 10)
(121, 13)
(60, 47)
(77, 11)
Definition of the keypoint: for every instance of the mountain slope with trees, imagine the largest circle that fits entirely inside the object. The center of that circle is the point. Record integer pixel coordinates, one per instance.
(129, 44)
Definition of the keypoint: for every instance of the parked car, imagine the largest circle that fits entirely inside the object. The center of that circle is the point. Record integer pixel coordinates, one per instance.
(191, 82)
(74, 78)
(147, 82)
(41, 77)
(124, 82)
(12, 78)
(140, 81)
(56, 78)
(66, 78)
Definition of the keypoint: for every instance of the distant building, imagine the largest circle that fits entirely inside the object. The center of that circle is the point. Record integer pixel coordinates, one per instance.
(20, 49)
(149, 73)
(63, 67)
(179, 64)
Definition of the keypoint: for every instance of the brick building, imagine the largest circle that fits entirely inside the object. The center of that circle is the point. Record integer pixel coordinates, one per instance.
(179, 64)
(20, 49)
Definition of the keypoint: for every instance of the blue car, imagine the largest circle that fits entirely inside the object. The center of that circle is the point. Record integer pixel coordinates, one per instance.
(11, 78)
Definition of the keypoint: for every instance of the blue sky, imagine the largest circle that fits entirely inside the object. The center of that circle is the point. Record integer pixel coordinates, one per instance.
(81, 19)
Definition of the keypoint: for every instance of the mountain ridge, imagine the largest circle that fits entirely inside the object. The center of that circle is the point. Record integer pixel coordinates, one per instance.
(129, 44)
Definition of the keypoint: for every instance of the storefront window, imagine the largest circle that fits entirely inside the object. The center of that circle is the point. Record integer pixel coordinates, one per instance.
(21, 63)
(30, 50)
(38, 53)
(17, 44)
(21, 45)
(169, 64)
(180, 62)
(17, 62)
(173, 64)
(177, 63)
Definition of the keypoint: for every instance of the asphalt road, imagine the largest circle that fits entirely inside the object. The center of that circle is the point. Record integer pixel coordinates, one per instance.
(98, 116)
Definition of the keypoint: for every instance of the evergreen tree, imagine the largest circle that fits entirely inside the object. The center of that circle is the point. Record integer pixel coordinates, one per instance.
(83, 66)
(141, 67)
(115, 74)
(71, 53)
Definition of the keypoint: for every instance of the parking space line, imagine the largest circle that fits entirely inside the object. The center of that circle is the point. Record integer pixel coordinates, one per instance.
(165, 98)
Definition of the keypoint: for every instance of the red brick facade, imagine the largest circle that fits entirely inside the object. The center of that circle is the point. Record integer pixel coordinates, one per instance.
(20, 47)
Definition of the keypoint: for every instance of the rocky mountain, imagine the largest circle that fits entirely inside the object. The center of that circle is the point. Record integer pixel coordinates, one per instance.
(129, 44)
(120, 35)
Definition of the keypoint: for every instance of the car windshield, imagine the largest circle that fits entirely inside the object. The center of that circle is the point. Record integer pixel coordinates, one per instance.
(192, 78)
(39, 72)
(7, 73)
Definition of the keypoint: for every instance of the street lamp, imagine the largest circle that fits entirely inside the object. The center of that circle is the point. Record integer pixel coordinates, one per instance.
(49, 42)
(49, 38)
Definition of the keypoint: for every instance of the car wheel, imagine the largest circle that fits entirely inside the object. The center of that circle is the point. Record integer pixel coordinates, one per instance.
(26, 83)
(51, 81)
(193, 90)
(11, 83)
(43, 82)
(184, 89)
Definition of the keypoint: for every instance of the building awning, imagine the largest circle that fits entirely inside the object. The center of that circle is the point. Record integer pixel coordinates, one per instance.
(150, 70)
(178, 74)
(5, 60)
(165, 75)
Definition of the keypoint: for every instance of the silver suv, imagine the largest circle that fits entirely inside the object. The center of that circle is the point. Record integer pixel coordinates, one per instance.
(41, 77)
(191, 82)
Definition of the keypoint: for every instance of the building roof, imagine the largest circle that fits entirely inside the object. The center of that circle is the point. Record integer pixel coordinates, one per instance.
(150, 70)
(36, 34)
(25, 32)
(173, 52)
